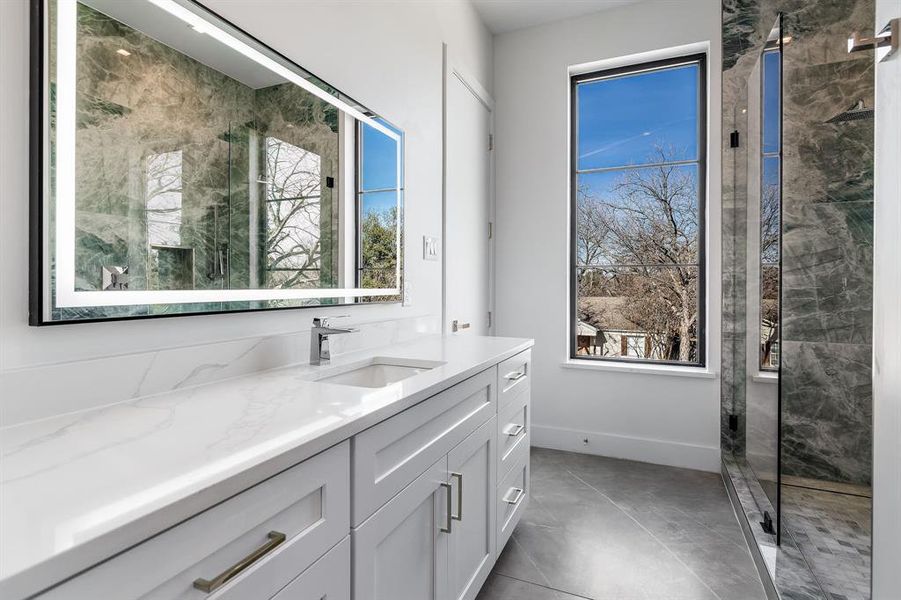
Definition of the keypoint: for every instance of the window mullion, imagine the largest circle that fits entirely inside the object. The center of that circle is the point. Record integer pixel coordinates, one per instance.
(673, 163)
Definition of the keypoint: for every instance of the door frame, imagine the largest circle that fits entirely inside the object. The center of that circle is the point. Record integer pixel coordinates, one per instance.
(452, 69)
(886, 542)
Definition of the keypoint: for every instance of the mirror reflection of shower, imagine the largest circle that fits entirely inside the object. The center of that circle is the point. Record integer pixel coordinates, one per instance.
(196, 167)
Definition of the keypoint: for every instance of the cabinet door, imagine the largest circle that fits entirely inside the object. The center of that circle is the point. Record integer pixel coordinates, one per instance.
(388, 456)
(400, 552)
(328, 577)
(472, 467)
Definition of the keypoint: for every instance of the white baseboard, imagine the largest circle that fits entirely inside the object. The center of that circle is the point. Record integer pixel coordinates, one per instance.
(674, 454)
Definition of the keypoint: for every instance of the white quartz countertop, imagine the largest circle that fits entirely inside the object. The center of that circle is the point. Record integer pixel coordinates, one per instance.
(77, 488)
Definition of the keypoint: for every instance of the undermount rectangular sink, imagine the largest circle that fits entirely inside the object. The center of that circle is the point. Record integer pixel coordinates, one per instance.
(380, 371)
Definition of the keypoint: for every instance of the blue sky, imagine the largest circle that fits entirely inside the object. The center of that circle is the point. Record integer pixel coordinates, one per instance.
(621, 118)
(379, 170)
(770, 162)
(771, 97)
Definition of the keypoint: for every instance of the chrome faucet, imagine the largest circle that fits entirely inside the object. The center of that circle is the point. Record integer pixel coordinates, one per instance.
(319, 347)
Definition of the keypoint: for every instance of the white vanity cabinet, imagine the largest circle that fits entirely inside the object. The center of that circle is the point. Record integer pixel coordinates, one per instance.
(439, 536)
(435, 539)
(393, 453)
(249, 546)
(416, 507)
(473, 473)
(327, 579)
(401, 551)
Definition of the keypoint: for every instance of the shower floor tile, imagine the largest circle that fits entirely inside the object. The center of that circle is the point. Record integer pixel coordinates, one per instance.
(833, 532)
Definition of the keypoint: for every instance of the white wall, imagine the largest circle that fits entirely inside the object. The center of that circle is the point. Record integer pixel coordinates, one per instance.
(388, 55)
(887, 321)
(655, 416)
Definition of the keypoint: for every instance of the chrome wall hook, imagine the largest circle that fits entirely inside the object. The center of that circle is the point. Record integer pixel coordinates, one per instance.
(885, 42)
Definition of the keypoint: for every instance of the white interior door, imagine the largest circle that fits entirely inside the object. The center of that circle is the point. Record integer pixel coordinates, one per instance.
(467, 205)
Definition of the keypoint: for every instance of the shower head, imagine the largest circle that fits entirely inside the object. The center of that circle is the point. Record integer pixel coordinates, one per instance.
(854, 113)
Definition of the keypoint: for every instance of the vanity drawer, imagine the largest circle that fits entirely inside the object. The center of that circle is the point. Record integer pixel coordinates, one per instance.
(512, 497)
(390, 455)
(513, 428)
(514, 377)
(329, 577)
(287, 521)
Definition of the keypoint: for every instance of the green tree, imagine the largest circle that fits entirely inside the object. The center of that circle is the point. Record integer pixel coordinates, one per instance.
(379, 249)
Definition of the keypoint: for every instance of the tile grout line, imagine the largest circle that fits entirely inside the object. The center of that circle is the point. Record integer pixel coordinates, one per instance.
(825, 491)
(816, 579)
(648, 531)
(712, 530)
(547, 587)
(534, 564)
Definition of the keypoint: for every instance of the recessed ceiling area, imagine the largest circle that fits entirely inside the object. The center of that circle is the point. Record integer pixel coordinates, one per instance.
(501, 16)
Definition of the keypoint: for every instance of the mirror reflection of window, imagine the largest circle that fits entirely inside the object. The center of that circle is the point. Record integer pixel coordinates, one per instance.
(378, 189)
(182, 163)
(770, 209)
(293, 230)
(163, 202)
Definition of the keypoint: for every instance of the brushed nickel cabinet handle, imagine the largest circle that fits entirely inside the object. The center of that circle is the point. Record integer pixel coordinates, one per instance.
(459, 516)
(458, 326)
(517, 496)
(513, 429)
(448, 522)
(515, 375)
(276, 538)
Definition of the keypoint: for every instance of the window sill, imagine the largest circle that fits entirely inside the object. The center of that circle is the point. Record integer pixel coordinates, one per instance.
(764, 377)
(618, 367)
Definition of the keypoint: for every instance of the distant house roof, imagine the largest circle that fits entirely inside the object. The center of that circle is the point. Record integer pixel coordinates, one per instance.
(608, 312)
(583, 329)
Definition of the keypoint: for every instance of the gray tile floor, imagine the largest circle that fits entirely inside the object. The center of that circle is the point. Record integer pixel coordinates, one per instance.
(606, 529)
(833, 533)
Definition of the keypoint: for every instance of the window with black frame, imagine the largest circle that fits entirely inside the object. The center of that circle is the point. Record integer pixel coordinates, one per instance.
(638, 207)
(378, 188)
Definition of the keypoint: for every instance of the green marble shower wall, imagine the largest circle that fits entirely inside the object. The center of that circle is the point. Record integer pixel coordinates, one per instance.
(171, 173)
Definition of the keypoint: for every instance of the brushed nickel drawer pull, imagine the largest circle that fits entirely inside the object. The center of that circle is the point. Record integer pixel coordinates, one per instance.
(448, 522)
(459, 477)
(513, 429)
(276, 538)
(515, 375)
(518, 495)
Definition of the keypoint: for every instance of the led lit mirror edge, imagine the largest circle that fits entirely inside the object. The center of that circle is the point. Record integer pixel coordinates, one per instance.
(39, 299)
(201, 19)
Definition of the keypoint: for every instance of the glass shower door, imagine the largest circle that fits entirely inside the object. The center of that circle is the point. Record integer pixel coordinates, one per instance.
(764, 277)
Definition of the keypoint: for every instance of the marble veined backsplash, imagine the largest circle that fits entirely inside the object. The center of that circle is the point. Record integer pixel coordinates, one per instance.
(51, 389)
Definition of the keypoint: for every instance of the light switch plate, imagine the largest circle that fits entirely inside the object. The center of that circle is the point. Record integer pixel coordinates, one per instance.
(429, 248)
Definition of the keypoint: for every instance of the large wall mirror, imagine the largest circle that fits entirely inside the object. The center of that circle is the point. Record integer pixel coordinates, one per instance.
(180, 166)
